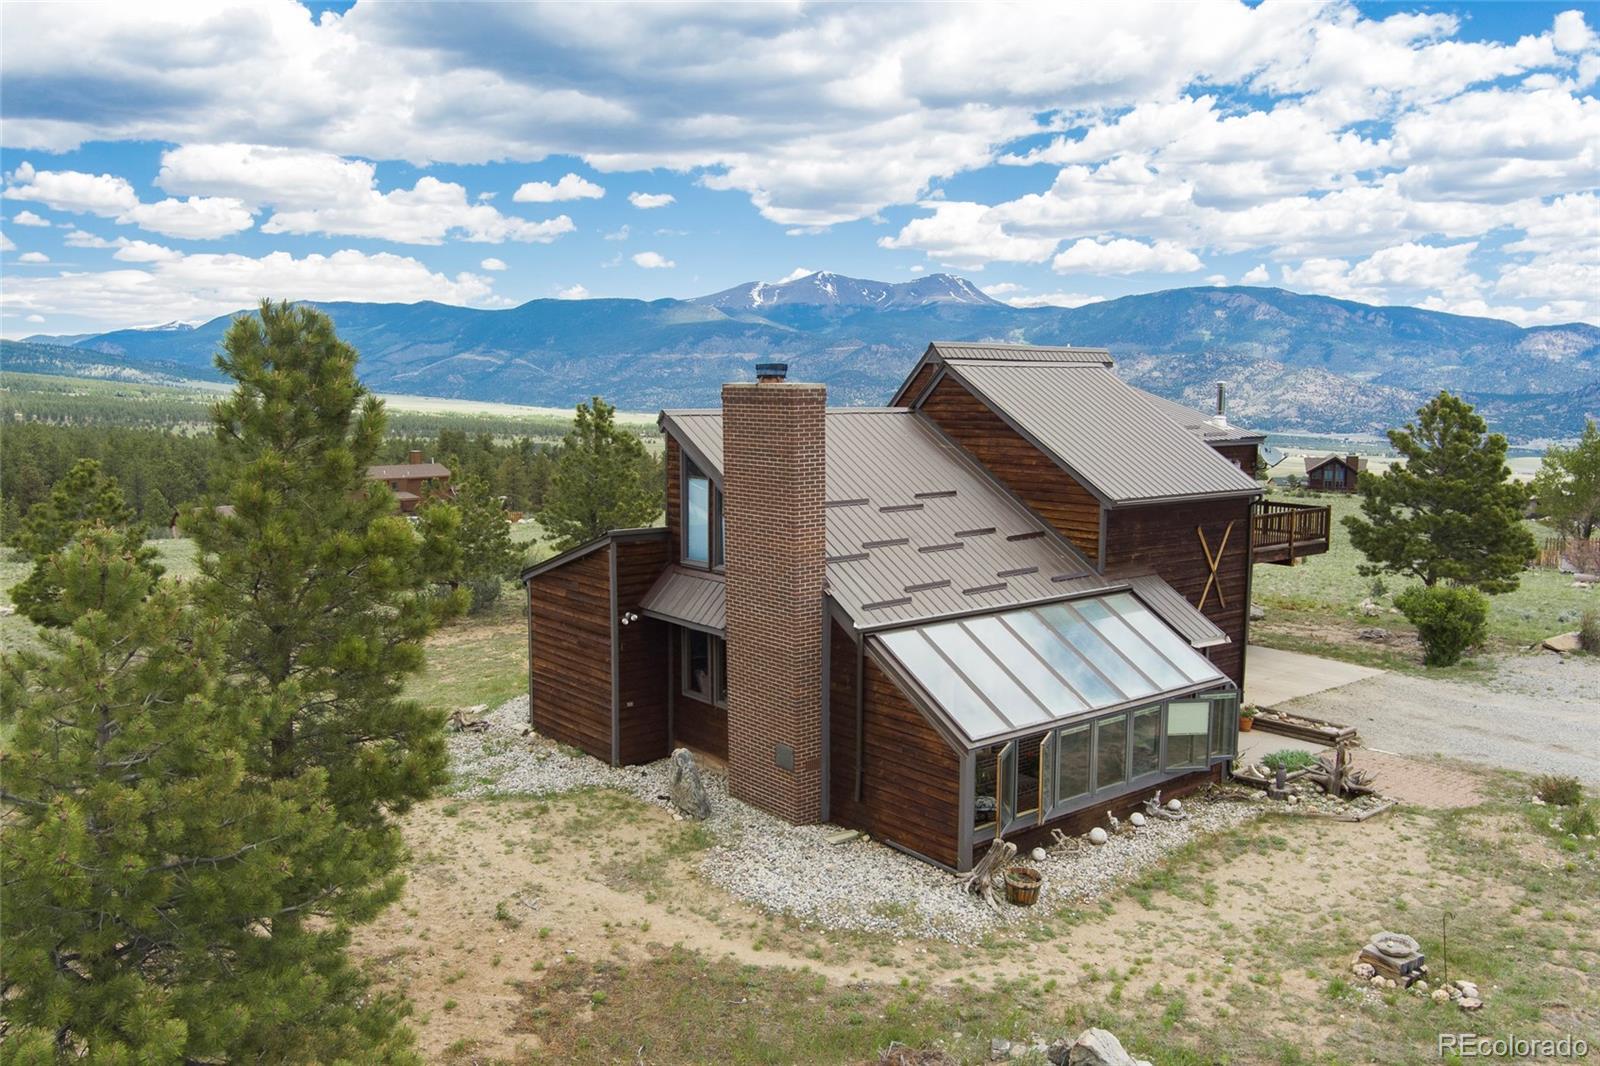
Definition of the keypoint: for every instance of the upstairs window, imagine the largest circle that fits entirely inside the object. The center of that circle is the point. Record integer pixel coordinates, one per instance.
(702, 517)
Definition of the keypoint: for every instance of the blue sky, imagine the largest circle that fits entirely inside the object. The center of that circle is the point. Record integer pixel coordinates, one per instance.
(176, 164)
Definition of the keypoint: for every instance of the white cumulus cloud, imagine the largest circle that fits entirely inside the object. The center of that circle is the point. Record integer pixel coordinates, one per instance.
(28, 218)
(110, 196)
(493, 264)
(427, 213)
(647, 200)
(33, 257)
(652, 260)
(570, 187)
(573, 292)
(1125, 257)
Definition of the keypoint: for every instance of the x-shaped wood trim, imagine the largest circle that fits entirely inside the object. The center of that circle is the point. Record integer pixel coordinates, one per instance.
(1213, 561)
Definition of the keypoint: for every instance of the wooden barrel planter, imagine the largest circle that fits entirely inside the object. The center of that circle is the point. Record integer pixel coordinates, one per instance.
(1022, 886)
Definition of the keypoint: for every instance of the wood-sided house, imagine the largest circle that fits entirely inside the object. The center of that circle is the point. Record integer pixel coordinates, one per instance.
(1012, 599)
(1335, 473)
(415, 481)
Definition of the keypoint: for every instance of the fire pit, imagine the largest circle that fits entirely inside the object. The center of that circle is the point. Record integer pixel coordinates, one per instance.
(1395, 956)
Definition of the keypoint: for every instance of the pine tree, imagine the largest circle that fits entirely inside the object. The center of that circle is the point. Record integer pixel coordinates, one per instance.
(488, 557)
(1568, 485)
(330, 591)
(1449, 511)
(85, 498)
(599, 482)
(145, 873)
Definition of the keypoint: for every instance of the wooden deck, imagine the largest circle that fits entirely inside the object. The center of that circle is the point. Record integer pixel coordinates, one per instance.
(1283, 533)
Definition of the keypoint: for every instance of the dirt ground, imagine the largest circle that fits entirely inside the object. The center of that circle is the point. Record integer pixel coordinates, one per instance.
(1244, 939)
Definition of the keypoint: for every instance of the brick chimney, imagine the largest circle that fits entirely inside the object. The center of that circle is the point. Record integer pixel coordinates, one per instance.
(774, 468)
(415, 456)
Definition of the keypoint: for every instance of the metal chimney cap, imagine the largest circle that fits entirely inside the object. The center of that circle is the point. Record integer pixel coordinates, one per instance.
(772, 371)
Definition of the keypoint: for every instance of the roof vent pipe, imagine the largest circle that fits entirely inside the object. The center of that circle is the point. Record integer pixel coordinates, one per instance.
(1222, 399)
(771, 371)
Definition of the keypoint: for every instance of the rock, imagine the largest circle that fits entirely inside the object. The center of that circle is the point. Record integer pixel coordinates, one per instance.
(1363, 970)
(1421, 986)
(1174, 805)
(1058, 1051)
(1470, 1003)
(1039, 854)
(1468, 988)
(688, 792)
(1136, 819)
(1455, 993)
(999, 1049)
(1377, 634)
(844, 836)
(1098, 836)
(1257, 612)
(1566, 642)
(1096, 1047)
(1440, 996)
(1370, 609)
(1375, 981)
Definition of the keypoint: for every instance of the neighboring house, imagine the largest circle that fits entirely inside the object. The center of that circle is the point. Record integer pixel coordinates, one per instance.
(1010, 601)
(1335, 473)
(414, 481)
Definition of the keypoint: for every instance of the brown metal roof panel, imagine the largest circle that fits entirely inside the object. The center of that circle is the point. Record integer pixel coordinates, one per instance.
(1170, 606)
(1202, 425)
(399, 471)
(690, 597)
(1108, 434)
(1032, 353)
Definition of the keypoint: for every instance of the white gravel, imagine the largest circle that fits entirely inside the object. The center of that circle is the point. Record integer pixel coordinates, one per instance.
(860, 886)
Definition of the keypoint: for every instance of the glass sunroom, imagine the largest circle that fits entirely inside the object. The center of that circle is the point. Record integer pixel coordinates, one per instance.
(1066, 706)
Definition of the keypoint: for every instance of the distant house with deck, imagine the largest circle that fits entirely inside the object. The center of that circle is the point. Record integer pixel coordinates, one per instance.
(414, 481)
(1010, 600)
(1335, 473)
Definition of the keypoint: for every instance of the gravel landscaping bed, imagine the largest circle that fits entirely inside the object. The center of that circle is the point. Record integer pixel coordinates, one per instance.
(860, 886)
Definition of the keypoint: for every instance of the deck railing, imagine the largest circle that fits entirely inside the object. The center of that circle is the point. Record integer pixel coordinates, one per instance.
(1282, 532)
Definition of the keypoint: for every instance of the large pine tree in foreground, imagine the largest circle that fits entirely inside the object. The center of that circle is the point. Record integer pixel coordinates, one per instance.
(150, 884)
(329, 590)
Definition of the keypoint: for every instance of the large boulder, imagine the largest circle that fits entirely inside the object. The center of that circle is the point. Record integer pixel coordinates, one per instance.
(685, 789)
(1096, 1047)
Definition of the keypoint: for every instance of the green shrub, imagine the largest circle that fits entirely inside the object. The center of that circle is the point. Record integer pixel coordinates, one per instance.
(1291, 759)
(1449, 619)
(1580, 822)
(1589, 632)
(1559, 789)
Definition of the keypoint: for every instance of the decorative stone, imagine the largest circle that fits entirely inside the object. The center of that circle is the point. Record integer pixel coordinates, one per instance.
(1440, 996)
(1174, 805)
(999, 1049)
(1421, 986)
(1470, 1003)
(1136, 819)
(1098, 836)
(1363, 970)
(1257, 612)
(1039, 854)
(688, 792)
(1097, 1047)
(1455, 993)
(1375, 981)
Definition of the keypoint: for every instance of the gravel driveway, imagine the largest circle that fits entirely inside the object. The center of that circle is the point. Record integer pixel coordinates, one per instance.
(1539, 713)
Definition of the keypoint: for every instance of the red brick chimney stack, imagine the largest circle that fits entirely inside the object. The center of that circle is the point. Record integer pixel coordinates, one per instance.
(774, 449)
(415, 457)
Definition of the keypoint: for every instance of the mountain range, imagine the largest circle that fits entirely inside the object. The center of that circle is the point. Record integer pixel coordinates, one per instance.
(1293, 362)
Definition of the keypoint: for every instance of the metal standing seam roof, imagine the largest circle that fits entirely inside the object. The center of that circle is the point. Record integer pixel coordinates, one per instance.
(1028, 353)
(688, 596)
(1027, 670)
(1106, 433)
(1202, 424)
(407, 470)
(1176, 611)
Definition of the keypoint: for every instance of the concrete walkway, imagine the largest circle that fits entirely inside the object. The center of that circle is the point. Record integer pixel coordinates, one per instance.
(1272, 677)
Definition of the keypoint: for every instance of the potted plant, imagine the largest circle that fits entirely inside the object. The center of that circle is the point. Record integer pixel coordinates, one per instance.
(1022, 885)
(1247, 719)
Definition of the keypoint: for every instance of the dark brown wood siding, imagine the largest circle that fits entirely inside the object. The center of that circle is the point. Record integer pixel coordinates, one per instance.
(569, 617)
(674, 509)
(918, 383)
(1163, 538)
(699, 725)
(641, 653)
(911, 777)
(1029, 473)
(1241, 455)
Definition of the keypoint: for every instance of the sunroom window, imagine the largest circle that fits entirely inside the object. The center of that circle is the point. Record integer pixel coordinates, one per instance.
(1072, 763)
(1111, 747)
(1188, 727)
(1146, 741)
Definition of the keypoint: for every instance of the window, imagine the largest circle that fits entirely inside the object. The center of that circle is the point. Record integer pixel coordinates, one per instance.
(703, 521)
(984, 800)
(1025, 777)
(1111, 748)
(705, 667)
(1188, 726)
(1146, 741)
(1224, 725)
(1003, 784)
(1072, 763)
